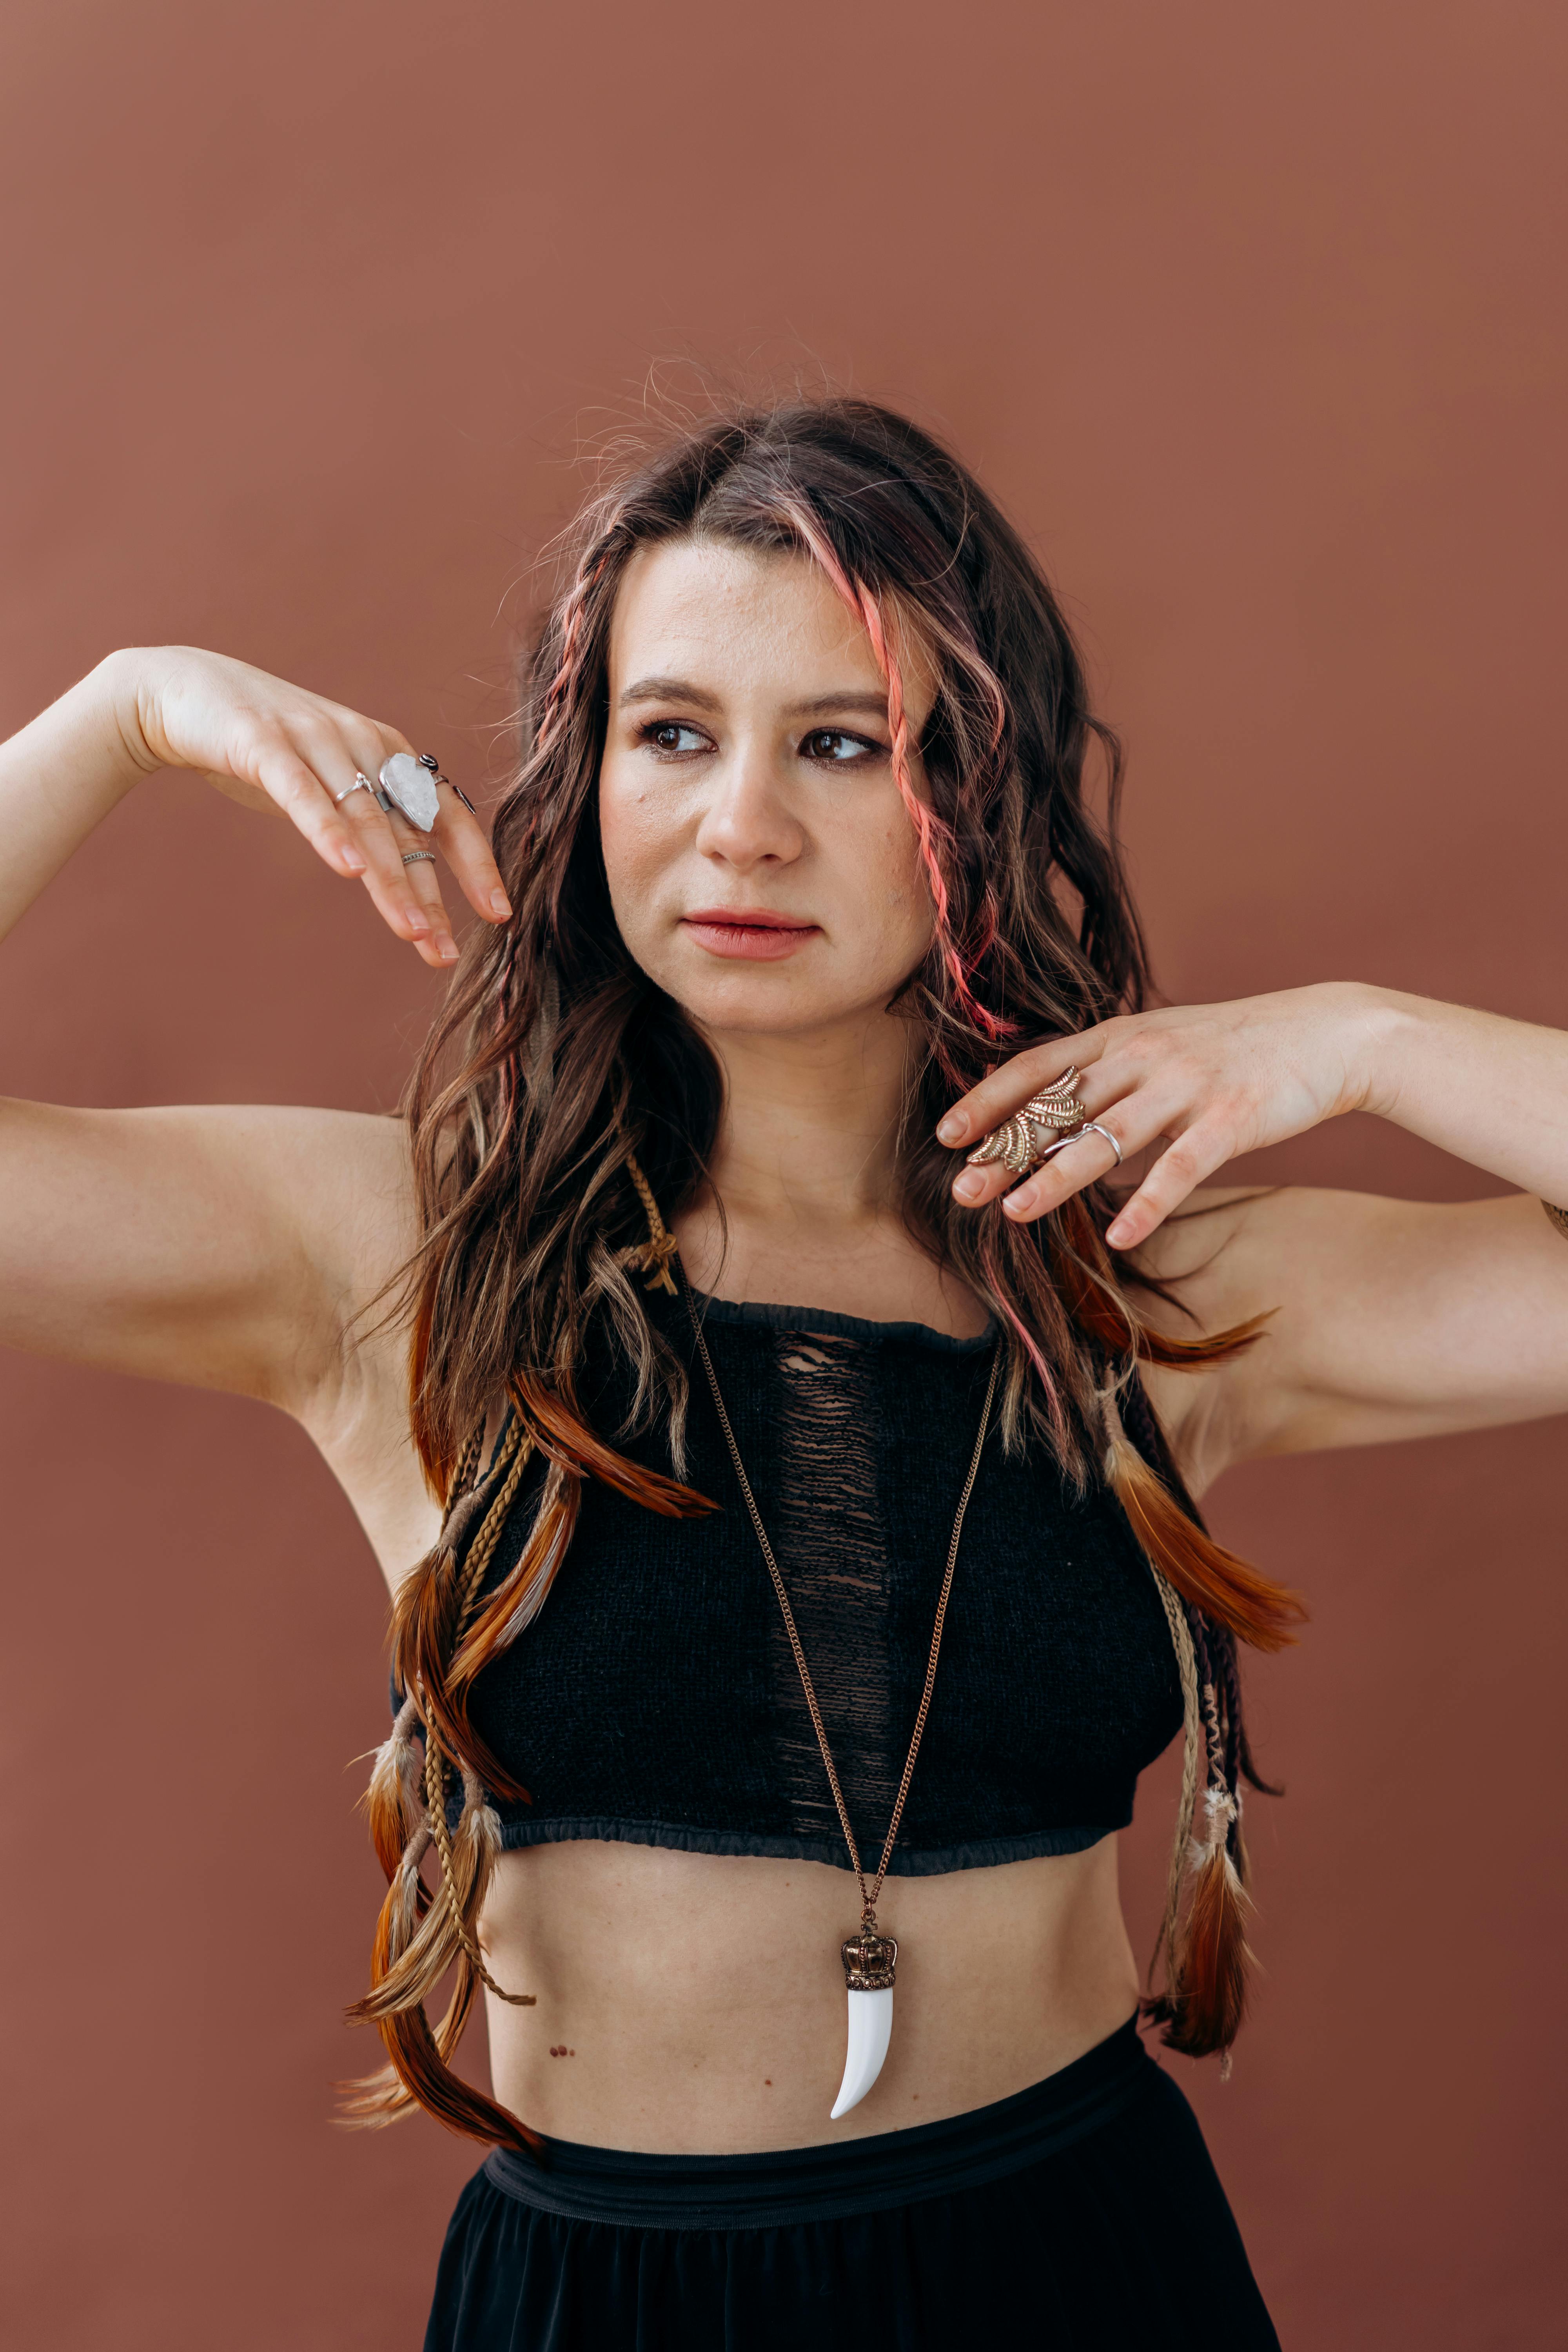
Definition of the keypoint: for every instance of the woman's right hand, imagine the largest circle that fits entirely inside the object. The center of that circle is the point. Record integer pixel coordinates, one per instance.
(283, 749)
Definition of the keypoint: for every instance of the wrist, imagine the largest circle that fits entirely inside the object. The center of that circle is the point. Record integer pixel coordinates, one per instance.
(117, 687)
(1383, 1028)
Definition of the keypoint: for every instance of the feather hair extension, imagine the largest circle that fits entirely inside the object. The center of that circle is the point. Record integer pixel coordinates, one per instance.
(1214, 1580)
(392, 1799)
(1207, 1959)
(1209, 2000)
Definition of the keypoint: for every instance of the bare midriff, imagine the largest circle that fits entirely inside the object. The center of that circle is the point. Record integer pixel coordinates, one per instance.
(695, 2004)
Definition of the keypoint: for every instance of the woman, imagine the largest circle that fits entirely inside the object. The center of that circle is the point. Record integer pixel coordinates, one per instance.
(721, 1419)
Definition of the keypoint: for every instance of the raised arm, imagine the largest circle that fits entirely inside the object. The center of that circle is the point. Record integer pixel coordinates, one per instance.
(223, 1247)
(1388, 1318)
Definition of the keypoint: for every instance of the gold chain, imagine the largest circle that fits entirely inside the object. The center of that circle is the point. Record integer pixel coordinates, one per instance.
(868, 1898)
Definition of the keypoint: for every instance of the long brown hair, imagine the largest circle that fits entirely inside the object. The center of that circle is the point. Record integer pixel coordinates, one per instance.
(563, 1101)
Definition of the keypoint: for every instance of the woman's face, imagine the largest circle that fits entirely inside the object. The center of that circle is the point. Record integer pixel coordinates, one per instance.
(762, 863)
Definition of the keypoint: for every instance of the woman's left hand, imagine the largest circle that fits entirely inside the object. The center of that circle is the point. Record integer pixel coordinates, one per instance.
(1210, 1081)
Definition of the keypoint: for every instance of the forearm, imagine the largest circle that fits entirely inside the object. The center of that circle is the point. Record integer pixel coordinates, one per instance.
(1492, 1091)
(59, 778)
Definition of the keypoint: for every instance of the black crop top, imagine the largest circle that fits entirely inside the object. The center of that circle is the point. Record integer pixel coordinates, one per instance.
(654, 1699)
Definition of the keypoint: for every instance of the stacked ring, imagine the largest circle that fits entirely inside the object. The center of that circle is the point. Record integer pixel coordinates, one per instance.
(413, 856)
(1054, 1109)
(1057, 1112)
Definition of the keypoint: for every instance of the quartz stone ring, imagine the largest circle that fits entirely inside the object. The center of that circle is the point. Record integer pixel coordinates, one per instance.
(1019, 1142)
(407, 785)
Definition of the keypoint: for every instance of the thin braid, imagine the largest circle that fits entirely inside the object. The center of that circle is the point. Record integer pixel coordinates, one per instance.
(1216, 1744)
(464, 1470)
(1186, 1668)
(436, 1802)
(515, 1455)
(1229, 1687)
(582, 587)
(1201, 1653)
(650, 1258)
(1216, 1653)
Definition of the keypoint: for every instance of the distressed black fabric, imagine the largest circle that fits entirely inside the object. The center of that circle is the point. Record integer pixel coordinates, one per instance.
(1080, 2215)
(655, 1697)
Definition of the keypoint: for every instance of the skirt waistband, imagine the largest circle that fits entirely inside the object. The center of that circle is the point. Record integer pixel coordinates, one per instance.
(780, 2187)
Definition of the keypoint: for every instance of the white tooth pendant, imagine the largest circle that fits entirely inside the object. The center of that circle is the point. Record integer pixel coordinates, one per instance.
(869, 1964)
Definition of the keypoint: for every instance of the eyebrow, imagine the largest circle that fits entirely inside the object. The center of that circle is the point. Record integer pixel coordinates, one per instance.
(681, 689)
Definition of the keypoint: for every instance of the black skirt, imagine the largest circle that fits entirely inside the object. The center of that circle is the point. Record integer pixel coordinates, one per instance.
(1083, 2212)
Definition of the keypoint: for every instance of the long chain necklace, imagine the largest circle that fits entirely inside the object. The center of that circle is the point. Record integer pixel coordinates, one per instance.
(868, 1958)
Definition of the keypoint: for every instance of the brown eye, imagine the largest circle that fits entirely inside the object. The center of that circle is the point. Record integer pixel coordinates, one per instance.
(832, 747)
(672, 735)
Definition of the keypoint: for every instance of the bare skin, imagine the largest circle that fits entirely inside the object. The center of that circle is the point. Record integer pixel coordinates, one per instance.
(747, 772)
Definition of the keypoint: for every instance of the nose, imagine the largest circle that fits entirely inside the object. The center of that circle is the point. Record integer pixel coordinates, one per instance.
(749, 821)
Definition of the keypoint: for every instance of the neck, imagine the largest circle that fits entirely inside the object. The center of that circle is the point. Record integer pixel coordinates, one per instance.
(806, 1170)
(810, 1125)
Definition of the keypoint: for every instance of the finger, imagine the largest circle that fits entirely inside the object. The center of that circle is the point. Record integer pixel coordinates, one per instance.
(468, 852)
(291, 783)
(457, 832)
(1081, 1160)
(407, 902)
(1006, 1089)
(424, 878)
(414, 915)
(1144, 1110)
(1130, 1109)
(1189, 1161)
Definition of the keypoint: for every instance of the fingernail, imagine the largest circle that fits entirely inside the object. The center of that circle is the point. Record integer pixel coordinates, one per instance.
(417, 923)
(352, 861)
(969, 1186)
(1117, 1232)
(953, 1129)
(447, 951)
(501, 905)
(1018, 1204)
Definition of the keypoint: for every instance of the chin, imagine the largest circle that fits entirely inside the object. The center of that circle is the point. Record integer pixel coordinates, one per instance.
(759, 1001)
(762, 1012)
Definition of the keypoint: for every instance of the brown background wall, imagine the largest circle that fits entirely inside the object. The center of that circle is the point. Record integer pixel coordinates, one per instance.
(1250, 317)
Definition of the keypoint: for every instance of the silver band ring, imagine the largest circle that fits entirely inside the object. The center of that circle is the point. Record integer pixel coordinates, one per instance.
(413, 856)
(1093, 1127)
(1086, 1127)
(360, 785)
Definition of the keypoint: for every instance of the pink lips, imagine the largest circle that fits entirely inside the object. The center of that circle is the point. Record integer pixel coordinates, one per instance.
(753, 935)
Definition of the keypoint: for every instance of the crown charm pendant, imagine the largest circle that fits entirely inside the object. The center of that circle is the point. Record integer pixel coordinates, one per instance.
(869, 1960)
